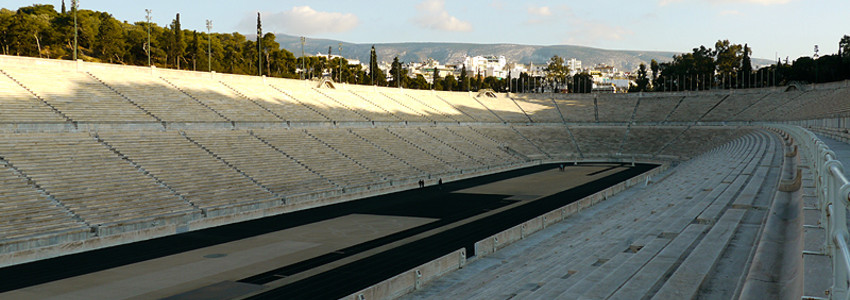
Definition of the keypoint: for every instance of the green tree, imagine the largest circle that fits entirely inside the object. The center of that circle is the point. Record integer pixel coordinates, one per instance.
(109, 44)
(419, 83)
(360, 75)
(463, 81)
(61, 36)
(5, 23)
(38, 10)
(27, 31)
(689, 70)
(316, 66)
(436, 78)
(642, 81)
(88, 22)
(233, 54)
(136, 37)
(39, 30)
(177, 46)
(395, 71)
(556, 69)
(259, 45)
(803, 69)
(159, 42)
(844, 47)
(195, 50)
(728, 59)
(373, 66)
(20, 34)
(491, 82)
(449, 83)
(281, 63)
(653, 65)
(381, 77)
(271, 48)
(746, 66)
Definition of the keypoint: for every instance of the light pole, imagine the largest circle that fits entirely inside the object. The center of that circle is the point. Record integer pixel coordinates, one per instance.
(259, 46)
(303, 40)
(74, 5)
(209, 46)
(816, 63)
(148, 48)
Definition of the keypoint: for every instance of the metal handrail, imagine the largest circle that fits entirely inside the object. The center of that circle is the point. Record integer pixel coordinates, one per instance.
(833, 195)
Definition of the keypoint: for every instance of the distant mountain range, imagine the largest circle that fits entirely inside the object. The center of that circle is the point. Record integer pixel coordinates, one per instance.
(625, 60)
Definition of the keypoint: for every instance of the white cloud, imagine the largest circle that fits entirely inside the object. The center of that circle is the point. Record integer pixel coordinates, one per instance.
(497, 5)
(304, 20)
(730, 12)
(762, 2)
(542, 11)
(432, 14)
(546, 14)
(665, 2)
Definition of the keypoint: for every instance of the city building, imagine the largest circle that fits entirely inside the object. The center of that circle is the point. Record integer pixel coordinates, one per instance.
(574, 65)
(487, 65)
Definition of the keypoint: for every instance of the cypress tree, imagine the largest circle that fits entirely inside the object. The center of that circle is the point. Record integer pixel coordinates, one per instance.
(746, 66)
(259, 45)
(178, 45)
(464, 83)
(436, 76)
(373, 65)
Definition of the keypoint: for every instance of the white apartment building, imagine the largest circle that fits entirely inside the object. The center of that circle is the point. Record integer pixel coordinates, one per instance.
(486, 65)
(516, 69)
(574, 65)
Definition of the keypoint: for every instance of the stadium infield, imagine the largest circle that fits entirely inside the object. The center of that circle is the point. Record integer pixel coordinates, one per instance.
(322, 253)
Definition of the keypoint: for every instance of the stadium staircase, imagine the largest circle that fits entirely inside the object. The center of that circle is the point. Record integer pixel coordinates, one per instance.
(197, 100)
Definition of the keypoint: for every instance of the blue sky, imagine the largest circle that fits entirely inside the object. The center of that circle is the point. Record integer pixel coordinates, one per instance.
(771, 27)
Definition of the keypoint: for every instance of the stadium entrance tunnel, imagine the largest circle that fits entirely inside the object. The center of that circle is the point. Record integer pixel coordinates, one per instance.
(424, 224)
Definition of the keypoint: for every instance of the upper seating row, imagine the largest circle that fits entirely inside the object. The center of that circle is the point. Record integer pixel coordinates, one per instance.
(47, 94)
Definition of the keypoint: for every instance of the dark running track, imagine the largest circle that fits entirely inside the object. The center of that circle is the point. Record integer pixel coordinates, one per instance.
(431, 202)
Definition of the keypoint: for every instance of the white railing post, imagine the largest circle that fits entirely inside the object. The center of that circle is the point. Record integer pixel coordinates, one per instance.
(833, 197)
(839, 270)
(836, 211)
(841, 261)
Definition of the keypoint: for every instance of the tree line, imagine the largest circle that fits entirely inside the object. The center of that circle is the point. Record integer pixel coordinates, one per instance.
(729, 66)
(41, 31)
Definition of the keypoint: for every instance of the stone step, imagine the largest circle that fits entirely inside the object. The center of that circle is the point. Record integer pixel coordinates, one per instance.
(653, 271)
(633, 235)
(689, 276)
(599, 285)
